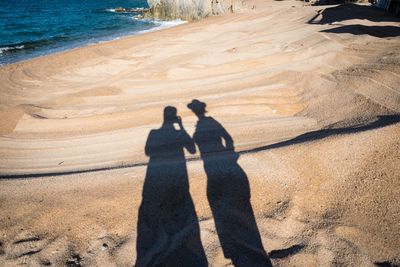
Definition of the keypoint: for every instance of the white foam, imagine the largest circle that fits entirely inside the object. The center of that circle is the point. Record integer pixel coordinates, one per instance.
(7, 48)
(137, 9)
(161, 24)
(3, 49)
(128, 10)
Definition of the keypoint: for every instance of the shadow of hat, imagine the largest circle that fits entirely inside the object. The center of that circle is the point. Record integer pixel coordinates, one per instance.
(197, 106)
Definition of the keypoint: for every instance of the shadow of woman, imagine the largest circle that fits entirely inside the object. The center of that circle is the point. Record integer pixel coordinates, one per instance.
(168, 228)
(228, 192)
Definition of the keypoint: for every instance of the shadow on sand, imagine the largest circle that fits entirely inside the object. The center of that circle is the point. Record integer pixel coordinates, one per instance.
(228, 192)
(337, 14)
(168, 228)
(340, 13)
(376, 31)
(382, 121)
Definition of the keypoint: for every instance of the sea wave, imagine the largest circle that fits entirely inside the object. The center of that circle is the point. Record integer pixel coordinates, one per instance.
(128, 10)
(30, 45)
(160, 24)
(10, 48)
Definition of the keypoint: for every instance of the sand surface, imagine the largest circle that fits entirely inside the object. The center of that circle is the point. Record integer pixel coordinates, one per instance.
(309, 94)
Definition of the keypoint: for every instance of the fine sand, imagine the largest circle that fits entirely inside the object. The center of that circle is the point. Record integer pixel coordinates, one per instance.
(309, 94)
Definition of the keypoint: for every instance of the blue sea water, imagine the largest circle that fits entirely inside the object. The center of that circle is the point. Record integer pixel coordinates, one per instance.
(31, 28)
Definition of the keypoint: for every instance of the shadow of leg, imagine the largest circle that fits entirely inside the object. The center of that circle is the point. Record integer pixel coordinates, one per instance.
(228, 193)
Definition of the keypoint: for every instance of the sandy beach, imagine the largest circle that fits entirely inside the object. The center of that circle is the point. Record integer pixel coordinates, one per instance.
(310, 96)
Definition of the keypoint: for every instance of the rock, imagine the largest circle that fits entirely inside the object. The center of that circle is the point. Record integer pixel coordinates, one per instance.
(191, 9)
(120, 9)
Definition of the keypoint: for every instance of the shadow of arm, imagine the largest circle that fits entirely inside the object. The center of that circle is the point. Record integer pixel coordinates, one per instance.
(228, 139)
(188, 142)
(148, 149)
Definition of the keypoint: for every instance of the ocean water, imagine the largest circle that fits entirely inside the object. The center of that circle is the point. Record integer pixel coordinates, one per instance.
(31, 28)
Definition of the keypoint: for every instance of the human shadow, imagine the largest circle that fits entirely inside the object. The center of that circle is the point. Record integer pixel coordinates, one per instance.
(168, 228)
(228, 192)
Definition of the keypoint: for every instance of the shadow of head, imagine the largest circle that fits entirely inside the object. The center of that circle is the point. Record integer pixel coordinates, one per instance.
(198, 107)
(170, 114)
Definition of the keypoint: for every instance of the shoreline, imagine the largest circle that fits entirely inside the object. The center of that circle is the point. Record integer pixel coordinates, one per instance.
(102, 40)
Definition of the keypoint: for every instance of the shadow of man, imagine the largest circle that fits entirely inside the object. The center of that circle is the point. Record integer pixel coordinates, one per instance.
(168, 228)
(228, 192)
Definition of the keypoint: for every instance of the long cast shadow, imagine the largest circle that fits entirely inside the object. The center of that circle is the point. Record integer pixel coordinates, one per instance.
(382, 121)
(340, 13)
(228, 192)
(168, 228)
(351, 11)
(376, 31)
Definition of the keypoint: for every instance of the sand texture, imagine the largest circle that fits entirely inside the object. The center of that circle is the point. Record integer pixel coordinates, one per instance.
(297, 161)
